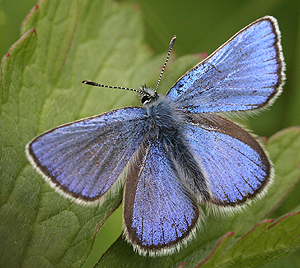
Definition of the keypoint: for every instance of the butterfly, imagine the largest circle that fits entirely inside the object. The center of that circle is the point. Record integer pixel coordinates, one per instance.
(178, 150)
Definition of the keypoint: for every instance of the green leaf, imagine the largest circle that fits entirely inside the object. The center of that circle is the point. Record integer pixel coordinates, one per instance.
(275, 240)
(213, 247)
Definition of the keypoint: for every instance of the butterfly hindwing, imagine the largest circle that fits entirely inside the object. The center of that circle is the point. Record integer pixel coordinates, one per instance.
(245, 73)
(233, 162)
(83, 159)
(158, 211)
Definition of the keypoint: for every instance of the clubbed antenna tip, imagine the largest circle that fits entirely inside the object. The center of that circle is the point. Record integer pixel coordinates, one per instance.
(100, 85)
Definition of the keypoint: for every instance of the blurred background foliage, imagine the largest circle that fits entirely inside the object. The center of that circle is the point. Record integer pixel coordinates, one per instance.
(201, 27)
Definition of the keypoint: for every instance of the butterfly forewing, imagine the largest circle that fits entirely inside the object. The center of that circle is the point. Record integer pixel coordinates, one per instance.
(84, 158)
(243, 74)
(158, 211)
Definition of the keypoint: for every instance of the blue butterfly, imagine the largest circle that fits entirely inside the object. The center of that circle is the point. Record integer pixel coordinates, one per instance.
(179, 151)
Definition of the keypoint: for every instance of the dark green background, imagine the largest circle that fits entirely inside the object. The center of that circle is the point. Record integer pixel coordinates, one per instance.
(202, 26)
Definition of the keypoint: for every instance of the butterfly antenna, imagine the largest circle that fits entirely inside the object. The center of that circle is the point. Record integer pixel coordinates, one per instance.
(167, 59)
(100, 85)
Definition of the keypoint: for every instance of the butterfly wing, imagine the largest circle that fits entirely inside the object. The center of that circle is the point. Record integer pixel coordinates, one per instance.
(83, 159)
(232, 161)
(243, 74)
(158, 211)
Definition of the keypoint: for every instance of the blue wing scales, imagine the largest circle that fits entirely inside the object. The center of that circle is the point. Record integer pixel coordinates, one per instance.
(158, 212)
(84, 158)
(243, 74)
(233, 162)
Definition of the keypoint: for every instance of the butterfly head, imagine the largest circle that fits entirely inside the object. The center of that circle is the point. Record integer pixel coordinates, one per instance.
(148, 95)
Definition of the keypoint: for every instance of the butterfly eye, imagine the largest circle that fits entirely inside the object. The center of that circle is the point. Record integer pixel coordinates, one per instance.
(145, 99)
